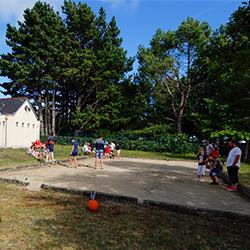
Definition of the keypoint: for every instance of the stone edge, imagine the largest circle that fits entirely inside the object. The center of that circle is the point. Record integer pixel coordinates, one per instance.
(151, 203)
(86, 193)
(241, 188)
(15, 181)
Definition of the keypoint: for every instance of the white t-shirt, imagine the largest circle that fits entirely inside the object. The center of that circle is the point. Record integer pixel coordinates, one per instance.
(112, 146)
(231, 156)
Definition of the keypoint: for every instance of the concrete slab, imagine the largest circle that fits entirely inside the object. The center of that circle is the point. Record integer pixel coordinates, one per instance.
(166, 181)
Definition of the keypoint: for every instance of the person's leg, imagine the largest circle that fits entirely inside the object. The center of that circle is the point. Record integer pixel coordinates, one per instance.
(202, 173)
(70, 160)
(101, 158)
(119, 154)
(96, 158)
(198, 173)
(75, 160)
(233, 178)
(234, 175)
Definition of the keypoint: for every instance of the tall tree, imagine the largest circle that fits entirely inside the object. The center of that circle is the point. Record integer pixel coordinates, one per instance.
(167, 65)
(100, 67)
(223, 69)
(31, 64)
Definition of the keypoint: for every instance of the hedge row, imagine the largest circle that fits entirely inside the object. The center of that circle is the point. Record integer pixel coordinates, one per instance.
(178, 144)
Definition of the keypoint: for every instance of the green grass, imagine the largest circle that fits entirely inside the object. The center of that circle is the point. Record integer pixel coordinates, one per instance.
(155, 155)
(16, 157)
(50, 220)
(244, 174)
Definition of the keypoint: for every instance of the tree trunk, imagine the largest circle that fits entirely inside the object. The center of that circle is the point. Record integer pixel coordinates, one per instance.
(46, 117)
(79, 102)
(40, 113)
(179, 119)
(54, 109)
(246, 152)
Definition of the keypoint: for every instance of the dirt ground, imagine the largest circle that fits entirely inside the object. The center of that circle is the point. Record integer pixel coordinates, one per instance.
(158, 180)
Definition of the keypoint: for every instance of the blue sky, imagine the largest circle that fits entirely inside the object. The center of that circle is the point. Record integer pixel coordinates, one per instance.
(138, 20)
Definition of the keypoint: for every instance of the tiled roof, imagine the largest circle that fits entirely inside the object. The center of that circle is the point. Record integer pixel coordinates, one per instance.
(11, 105)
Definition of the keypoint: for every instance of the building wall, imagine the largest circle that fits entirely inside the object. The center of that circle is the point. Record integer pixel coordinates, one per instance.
(22, 128)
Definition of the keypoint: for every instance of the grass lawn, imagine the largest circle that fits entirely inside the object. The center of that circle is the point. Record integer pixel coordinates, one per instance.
(244, 174)
(50, 220)
(155, 155)
(16, 157)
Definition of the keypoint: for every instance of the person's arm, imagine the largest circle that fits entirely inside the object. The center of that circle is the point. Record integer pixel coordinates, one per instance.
(236, 159)
(72, 149)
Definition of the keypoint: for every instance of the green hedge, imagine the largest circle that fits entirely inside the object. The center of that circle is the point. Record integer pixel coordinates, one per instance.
(131, 140)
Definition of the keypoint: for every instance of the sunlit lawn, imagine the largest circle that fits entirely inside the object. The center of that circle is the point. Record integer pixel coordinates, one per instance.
(244, 174)
(50, 220)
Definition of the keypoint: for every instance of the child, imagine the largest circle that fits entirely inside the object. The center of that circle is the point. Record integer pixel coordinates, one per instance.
(202, 161)
(51, 140)
(107, 152)
(74, 152)
(216, 166)
(112, 150)
(118, 151)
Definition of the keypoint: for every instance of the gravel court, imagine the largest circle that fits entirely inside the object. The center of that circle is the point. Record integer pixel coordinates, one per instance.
(167, 181)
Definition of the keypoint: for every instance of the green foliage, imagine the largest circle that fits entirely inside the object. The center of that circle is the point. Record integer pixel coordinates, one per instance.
(222, 72)
(154, 139)
(240, 135)
(166, 67)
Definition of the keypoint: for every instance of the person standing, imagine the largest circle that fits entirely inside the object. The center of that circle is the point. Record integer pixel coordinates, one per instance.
(74, 152)
(202, 161)
(118, 151)
(51, 143)
(112, 150)
(99, 146)
(233, 165)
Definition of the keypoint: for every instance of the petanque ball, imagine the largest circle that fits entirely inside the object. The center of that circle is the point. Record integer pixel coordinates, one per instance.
(93, 205)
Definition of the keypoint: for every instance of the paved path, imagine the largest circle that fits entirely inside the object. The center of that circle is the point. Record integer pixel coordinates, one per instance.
(167, 181)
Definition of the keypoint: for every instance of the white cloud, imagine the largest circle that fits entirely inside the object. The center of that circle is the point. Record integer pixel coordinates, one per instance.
(12, 10)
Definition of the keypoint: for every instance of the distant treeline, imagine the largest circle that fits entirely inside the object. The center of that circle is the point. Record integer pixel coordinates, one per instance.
(76, 72)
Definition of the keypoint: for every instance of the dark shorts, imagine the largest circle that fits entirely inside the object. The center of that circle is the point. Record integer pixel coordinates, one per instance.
(51, 148)
(233, 174)
(214, 172)
(74, 153)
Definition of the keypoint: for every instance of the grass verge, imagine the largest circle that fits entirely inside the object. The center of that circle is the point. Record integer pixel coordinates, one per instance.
(50, 220)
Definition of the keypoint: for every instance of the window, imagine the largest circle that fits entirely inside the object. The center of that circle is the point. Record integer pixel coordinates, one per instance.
(23, 124)
(28, 125)
(16, 124)
(33, 125)
(3, 123)
(0, 123)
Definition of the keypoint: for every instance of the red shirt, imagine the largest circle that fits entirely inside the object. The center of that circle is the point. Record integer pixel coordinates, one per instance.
(107, 150)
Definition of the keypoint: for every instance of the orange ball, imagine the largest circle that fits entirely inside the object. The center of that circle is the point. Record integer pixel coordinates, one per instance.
(93, 205)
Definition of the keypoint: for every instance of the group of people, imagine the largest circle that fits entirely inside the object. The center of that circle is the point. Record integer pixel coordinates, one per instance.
(101, 149)
(43, 151)
(208, 158)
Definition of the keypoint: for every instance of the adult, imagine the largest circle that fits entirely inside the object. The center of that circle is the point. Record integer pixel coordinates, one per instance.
(112, 150)
(74, 152)
(99, 146)
(118, 151)
(51, 143)
(85, 149)
(233, 165)
(209, 147)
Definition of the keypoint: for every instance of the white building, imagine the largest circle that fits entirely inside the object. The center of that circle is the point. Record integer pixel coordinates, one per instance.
(19, 126)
